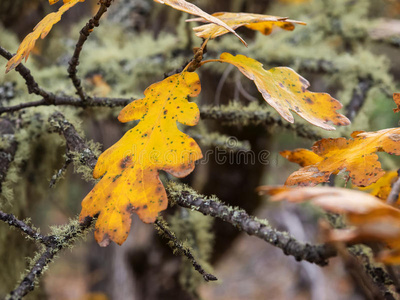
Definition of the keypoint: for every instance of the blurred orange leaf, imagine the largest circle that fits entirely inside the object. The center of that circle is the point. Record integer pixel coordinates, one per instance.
(102, 89)
(263, 23)
(356, 156)
(294, 1)
(190, 8)
(40, 30)
(286, 91)
(130, 168)
(373, 220)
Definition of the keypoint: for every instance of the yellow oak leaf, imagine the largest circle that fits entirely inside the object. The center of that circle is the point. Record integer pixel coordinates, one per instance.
(190, 8)
(372, 219)
(357, 156)
(285, 90)
(263, 23)
(383, 186)
(40, 30)
(130, 168)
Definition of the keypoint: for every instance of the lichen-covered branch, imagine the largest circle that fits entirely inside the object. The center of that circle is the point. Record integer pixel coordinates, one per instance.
(84, 34)
(11, 220)
(75, 143)
(187, 197)
(70, 101)
(54, 246)
(162, 226)
(253, 114)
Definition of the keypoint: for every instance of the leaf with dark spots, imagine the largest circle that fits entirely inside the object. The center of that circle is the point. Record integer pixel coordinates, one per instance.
(132, 164)
(357, 156)
(286, 91)
(262, 23)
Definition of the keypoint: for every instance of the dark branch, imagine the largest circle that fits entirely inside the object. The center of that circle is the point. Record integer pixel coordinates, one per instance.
(33, 87)
(54, 246)
(188, 198)
(70, 101)
(75, 143)
(84, 34)
(358, 98)
(13, 221)
(184, 250)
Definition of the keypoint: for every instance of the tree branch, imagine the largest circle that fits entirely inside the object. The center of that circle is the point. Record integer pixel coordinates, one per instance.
(75, 143)
(70, 101)
(84, 34)
(52, 99)
(187, 197)
(358, 98)
(56, 244)
(33, 86)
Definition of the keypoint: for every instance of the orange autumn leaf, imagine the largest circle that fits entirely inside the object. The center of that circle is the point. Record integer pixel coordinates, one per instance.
(382, 187)
(372, 219)
(357, 156)
(192, 9)
(263, 23)
(303, 157)
(396, 98)
(286, 91)
(130, 168)
(41, 30)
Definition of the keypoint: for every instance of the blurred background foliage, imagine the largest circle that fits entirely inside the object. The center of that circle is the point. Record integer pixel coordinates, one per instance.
(348, 48)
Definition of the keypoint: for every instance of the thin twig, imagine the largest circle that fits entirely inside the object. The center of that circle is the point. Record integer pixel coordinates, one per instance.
(56, 177)
(84, 34)
(11, 220)
(33, 87)
(185, 251)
